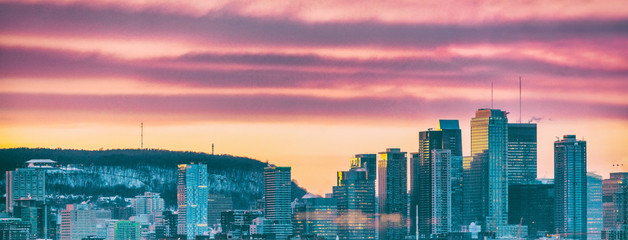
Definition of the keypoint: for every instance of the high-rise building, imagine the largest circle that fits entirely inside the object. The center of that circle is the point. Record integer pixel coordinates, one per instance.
(149, 203)
(532, 205)
(315, 216)
(595, 215)
(14, 229)
(169, 224)
(423, 175)
(355, 201)
(614, 200)
(27, 210)
(570, 185)
(277, 197)
(127, 230)
(217, 203)
(25, 183)
(368, 162)
(78, 221)
(486, 171)
(192, 195)
(392, 189)
(521, 153)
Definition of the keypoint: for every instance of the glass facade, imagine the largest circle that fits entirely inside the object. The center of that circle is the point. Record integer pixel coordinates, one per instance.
(355, 202)
(277, 195)
(192, 194)
(393, 197)
(486, 171)
(532, 205)
(316, 216)
(522, 154)
(368, 162)
(595, 215)
(570, 184)
(423, 175)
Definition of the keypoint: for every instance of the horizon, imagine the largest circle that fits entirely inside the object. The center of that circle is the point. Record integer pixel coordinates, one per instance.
(310, 84)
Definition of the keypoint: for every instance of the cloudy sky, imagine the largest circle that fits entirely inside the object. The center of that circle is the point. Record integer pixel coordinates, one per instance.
(309, 83)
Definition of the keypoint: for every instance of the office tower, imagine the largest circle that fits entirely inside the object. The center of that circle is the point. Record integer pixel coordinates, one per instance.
(532, 205)
(277, 195)
(46, 222)
(14, 229)
(422, 174)
(486, 172)
(570, 185)
(127, 230)
(355, 201)
(393, 198)
(368, 162)
(315, 216)
(595, 215)
(614, 200)
(170, 223)
(521, 153)
(77, 222)
(27, 209)
(217, 203)
(25, 183)
(192, 200)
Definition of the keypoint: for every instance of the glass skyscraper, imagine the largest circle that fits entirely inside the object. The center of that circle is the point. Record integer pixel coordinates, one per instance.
(595, 215)
(570, 184)
(277, 197)
(393, 196)
(316, 216)
(368, 162)
(425, 173)
(192, 196)
(355, 201)
(486, 171)
(532, 205)
(522, 156)
(615, 200)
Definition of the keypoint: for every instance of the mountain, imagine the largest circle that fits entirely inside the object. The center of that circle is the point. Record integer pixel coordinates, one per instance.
(130, 172)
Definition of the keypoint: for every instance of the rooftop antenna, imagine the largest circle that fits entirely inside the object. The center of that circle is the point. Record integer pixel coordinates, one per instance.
(519, 99)
(142, 135)
(491, 95)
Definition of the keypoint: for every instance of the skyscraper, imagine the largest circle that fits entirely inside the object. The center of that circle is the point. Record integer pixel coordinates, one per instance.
(532, 205)
(192, 195)
(615, 197)
(277, 194)
(25, 183)
(355, 199)
(217, 203)
(486, 173)
(393, 198)
(595, 215)
(316, 216)
(366, 161)
(521, 153)
(570, 184)
(424, 173)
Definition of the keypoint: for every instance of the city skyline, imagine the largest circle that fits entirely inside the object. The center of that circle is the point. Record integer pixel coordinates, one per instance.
(302, 82)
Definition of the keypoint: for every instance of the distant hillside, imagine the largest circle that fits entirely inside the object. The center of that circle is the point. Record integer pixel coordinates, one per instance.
(130, 172)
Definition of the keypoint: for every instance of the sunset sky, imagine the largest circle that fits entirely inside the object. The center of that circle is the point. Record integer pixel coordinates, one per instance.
(308, 84)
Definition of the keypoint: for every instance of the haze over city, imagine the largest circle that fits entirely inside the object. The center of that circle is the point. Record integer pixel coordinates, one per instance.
(308, 84)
